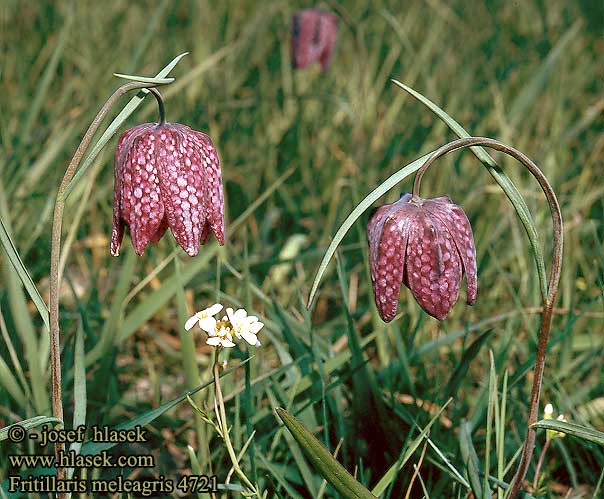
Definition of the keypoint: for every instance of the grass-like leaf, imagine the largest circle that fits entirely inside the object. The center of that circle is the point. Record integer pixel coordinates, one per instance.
(23, 274)
(79, 390)
(573, 429)
(28, 424)
(322, 459)
(470, 458)
(145, 79)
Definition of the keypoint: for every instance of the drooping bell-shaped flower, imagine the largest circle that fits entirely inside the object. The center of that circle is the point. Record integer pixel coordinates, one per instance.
(314, 34)
(427, 244)
(167, 175)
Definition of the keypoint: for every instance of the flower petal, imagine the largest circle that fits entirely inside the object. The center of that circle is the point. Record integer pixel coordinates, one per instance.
(254, 327)
(191, 321)
(433, 266)
(249, 337)
(213, 309)
(459, 226)
(227, 343)
(208, 324)
(388, 232)
(214, 341)
(179, 181)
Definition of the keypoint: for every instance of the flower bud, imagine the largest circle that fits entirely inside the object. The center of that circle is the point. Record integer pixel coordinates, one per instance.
(166, 175)
(427, 244)
(314, 34)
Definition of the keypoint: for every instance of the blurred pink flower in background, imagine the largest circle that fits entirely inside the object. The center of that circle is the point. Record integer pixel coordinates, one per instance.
(314, 34)
(427, 244)
(166, 175)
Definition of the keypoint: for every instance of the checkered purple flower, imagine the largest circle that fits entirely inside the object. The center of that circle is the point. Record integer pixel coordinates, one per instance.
(167, 175)
(427, 244)
(314, 34)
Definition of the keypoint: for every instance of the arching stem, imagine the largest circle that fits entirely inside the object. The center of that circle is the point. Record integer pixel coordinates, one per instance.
(160, 103)
(55, 251)
(552, 286)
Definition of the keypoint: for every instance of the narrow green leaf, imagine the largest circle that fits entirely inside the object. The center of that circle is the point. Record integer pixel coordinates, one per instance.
(79, 389)
(500, 177)
(573, 429)
(115, 124)
(10, 384)
(28, 424)
(144, 79)
(322, 459)
(371, 198)
(23, 274)
(470, 459)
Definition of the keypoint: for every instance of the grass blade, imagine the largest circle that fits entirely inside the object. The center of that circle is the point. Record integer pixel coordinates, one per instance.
(322, 459)
(28, 424)
(573, 429)
(79, 390)
(23, 274)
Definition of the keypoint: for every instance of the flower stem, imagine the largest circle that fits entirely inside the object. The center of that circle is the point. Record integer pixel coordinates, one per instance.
(225, 430)
(55, 252)
(160, 103)
(540, 463)
(552, 285)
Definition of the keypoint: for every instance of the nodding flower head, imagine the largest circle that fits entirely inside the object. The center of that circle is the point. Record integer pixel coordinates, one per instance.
(167, 175)
(427, 244)
(314, 34)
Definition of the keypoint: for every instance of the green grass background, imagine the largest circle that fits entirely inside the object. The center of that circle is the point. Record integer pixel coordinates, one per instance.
(298, 151)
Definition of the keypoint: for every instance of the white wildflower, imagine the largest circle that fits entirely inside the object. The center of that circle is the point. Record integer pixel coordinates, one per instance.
(204, 318)
(245, 326)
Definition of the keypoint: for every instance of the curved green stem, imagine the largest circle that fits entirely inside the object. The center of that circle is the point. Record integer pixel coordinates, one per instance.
(225, 429)
(55, 252)
(160, 104)
(552, 286)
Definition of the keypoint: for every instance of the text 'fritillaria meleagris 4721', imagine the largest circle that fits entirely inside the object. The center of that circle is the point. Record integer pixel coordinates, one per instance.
(167, 175)
(314, 34)
(427, 244)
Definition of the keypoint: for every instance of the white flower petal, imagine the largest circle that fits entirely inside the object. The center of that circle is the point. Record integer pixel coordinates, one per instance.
(255, 327)
(249, 337)
(257, 343)
(229, 312)
(227, 343)
(213, 310)
(191, 321)
(208, 324)
(240, 314)
(214, 341)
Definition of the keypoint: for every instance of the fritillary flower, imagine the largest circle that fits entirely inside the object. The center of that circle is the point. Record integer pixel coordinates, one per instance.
(167, 175)
(427, 244)
(314, 34)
